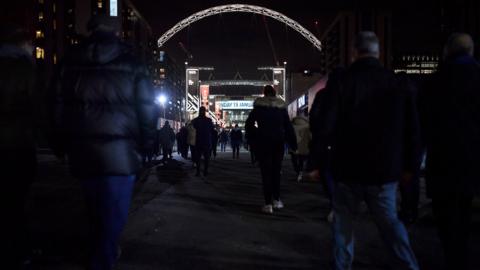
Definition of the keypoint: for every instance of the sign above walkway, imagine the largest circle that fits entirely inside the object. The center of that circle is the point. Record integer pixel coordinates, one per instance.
(236, 105)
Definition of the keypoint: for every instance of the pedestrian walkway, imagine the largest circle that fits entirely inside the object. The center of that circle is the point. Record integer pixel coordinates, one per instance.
(179, 221)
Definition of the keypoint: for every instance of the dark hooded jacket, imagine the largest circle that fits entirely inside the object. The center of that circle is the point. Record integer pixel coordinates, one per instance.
(268, 124)
(203, 132)
(450, 107)
(167, 136)
(17, 98)
(103, 111)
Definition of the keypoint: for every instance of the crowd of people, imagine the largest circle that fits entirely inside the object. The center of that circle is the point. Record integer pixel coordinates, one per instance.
(364, 138)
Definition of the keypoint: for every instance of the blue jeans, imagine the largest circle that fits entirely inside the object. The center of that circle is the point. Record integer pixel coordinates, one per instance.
(381, 201)
(108, 200)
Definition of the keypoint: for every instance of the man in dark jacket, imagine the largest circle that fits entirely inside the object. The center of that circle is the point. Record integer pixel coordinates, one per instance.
(203, 141)
(223, 139)
(167, 140)
(18, 121)
(375, 144)
(104, 118)
(269, 127)
(321, 120)
(451, 114)
(236, 139)
(182, 141)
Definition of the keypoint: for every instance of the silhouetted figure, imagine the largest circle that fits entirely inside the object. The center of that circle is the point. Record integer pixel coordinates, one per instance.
(104, 114)
(203, 141)
(182, 145)
(236, 139)
(191, 140)
(167, 140)
(409, 190)
(376, 143)
(214, 142)
(250, 141)
(303, 136)
(269, 127)
(451, 114)
(223, 140)
(321, 117)
(18, 123)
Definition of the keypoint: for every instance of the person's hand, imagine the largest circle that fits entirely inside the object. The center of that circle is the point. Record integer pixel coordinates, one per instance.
(315, 175)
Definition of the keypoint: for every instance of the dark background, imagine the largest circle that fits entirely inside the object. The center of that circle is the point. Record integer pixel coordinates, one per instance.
(238, 41)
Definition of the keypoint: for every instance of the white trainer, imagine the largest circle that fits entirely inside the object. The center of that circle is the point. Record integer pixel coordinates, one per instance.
(268, 209)
(330, 217)
(300, 177)
(277, 204)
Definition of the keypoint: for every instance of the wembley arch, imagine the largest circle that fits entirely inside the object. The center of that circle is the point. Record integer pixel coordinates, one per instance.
(193, 95)
(239, 8)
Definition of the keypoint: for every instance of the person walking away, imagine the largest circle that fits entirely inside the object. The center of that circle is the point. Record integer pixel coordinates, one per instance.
(376, 145)
(269, 127)
(250, 138)
(19, 118)
(104, 140)
(303, 136)
(321, 117)
(409, 190)
(214, 142)
(203, 143)
(191, 139)
(451, 125)
(167, 140)
(223, 140)
(182, 141)
(236, 139)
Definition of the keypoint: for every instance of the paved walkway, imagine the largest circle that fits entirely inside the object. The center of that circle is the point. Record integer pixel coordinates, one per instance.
(179, 221)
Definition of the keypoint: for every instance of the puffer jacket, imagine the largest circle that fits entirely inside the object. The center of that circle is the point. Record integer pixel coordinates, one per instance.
(103, 109)
(18, 99)
(268, 124)
(303, 135)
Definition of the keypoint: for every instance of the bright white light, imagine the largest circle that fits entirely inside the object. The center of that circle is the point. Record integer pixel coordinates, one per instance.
(162, 99)
(285, 62)
(113, 8)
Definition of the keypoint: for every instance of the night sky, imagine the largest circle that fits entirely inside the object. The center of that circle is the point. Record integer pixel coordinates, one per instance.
(238, 41)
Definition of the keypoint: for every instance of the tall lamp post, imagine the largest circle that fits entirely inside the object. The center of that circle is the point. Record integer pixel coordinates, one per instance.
(162, 99)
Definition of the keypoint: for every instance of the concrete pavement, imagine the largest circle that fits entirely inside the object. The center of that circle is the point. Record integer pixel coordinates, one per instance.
(179, 221)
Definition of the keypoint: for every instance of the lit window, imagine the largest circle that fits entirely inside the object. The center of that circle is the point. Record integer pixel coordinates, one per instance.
(162, 70)
(40, 16)
(39, 34)
(54, 24)
(100, 3)
(40, 1)
(54, 58)
(54, 8)
(40, 53)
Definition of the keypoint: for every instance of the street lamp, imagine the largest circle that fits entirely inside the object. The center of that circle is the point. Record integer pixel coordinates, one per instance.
(162, 99)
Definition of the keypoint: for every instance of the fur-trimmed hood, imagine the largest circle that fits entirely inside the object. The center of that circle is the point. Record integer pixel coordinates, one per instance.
(270, 102)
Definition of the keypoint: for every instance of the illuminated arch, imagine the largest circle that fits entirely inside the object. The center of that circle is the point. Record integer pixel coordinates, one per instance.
(239, 8)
